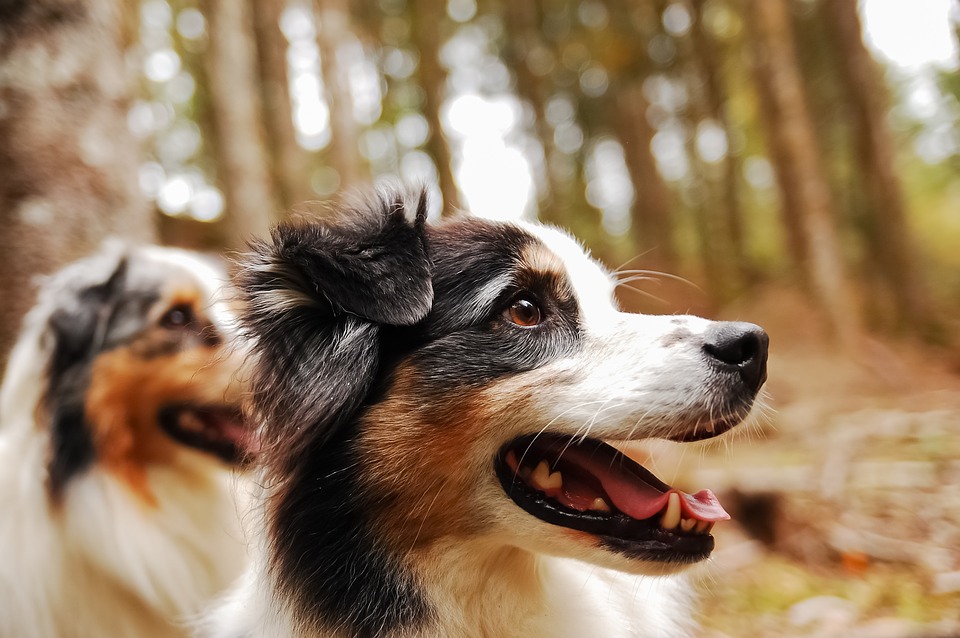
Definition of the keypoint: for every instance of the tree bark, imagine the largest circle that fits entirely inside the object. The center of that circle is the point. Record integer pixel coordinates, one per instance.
(891, 246)
(334, 19)
(708, 63)
(650, 226)
(68, 163)
(234, 101)
(522, 21)
(289, 163)
(807, 200)
(432, 77)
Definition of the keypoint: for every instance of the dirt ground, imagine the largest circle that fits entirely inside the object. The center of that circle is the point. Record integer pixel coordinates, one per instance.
(845, 493)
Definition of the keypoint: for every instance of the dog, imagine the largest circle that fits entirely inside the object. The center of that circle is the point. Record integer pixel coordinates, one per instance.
(440, 411)
(120, 425)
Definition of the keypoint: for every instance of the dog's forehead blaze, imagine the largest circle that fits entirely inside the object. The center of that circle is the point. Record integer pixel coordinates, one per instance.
(556, 252)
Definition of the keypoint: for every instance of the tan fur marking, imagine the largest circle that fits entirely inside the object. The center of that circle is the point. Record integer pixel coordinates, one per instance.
(420, 462)
(125, 395)
(538, 258)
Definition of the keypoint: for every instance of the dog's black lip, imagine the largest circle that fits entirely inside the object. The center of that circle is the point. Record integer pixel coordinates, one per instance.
(641, 539)
(206, 441)
(718, 428)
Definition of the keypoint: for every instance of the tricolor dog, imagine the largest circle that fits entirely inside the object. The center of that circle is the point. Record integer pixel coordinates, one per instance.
(120, 425)
(441, 411)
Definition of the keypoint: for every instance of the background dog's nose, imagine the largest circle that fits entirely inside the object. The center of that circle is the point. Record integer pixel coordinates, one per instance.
(739, 344)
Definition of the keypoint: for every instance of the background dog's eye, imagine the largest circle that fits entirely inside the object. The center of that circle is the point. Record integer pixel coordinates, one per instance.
(177, 317)
(524, 312)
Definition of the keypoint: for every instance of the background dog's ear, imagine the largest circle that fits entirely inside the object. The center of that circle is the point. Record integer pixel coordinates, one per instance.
(316, 299)
(87, 294)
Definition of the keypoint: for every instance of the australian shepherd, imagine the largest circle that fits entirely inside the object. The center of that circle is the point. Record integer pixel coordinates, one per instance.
(442, 407)
(119, 425)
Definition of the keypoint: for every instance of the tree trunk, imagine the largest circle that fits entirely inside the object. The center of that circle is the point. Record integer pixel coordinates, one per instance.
(709, 67)
(334, 19)
(807, 201)
(427, 21)
(234, 101)
(68, 164)
(650, 227)
(523, 24)
(891, 246)
(289, 162)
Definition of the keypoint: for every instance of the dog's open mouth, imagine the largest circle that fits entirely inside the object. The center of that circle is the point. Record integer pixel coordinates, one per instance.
(218, 430)
(589, 486)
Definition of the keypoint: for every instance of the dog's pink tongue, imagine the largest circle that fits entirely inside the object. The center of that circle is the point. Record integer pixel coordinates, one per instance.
(640, 504)
(636, 498)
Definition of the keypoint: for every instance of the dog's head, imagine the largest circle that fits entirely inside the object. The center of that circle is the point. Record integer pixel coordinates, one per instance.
(128, 361)
(430, 384)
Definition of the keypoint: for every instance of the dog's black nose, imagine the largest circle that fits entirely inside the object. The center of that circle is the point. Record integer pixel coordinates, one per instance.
(741, 345)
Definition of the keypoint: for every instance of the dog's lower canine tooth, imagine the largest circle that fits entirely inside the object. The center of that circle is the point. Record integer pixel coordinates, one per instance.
(554, 481)
(702, 526)
(542, 478)
(687, 524)
(599, 505)
(540, 475)
(671, 516)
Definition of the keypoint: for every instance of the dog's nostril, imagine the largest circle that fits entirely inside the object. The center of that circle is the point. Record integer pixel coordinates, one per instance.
(739, 344)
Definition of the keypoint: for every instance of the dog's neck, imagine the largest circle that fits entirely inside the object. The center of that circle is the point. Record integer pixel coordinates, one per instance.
(481, 588)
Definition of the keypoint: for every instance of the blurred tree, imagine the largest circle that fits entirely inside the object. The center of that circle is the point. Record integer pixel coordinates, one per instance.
(890, 242)
(334, 19)
(523, 46)
(68, 164)
(651, 228)
(428, 20)
(239, 147)
(706, 58)
(807, 202)
(289, 162)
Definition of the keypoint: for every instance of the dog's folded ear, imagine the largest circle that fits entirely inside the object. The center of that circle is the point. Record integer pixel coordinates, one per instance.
(371, 262)
(316, 299)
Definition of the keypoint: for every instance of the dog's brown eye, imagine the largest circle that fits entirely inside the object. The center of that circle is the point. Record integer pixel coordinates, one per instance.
(177, 317)
(524, 312)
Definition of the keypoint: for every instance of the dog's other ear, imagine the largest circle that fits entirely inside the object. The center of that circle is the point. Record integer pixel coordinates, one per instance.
(87, 295)
(316, 298)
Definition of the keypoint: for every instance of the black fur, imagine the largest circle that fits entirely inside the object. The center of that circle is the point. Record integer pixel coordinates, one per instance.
(333, 307)
(78, 331)
(316, 362)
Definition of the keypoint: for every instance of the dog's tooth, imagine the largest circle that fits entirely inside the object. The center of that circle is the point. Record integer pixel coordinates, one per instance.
(702, 526)
(540, 476)
(710, 427)
(671, 516)
(554, 481)
(687, 524)
(600, 505)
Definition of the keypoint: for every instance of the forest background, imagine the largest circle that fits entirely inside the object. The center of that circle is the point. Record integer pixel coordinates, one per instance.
(770, 160)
